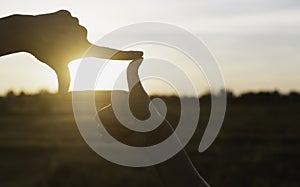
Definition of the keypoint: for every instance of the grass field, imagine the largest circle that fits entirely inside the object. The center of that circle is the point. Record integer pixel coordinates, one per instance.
(259, 145)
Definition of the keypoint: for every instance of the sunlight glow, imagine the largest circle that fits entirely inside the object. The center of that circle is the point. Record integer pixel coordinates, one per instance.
(23, 72)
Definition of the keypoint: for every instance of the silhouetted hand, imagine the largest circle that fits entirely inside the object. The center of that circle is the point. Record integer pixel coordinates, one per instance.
(58, 38)
(55, 39)
(178, 171)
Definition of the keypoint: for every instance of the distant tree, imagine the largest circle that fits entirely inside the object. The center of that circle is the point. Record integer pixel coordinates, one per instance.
(10, 93)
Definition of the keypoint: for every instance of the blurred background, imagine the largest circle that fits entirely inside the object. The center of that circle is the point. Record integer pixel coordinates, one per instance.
(256, 44)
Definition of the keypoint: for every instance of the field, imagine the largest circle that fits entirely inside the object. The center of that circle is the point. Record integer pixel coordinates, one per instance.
(259, 145)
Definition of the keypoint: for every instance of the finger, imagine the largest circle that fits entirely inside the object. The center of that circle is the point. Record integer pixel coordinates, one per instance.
(109, 53)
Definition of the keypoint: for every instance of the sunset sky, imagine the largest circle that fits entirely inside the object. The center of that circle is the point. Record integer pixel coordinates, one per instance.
(256, 42)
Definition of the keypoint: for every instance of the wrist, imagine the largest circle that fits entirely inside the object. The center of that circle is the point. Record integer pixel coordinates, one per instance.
(12, 34)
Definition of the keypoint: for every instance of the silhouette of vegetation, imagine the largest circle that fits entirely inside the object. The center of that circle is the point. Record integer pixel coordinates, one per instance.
(258, 144)
(46, 102)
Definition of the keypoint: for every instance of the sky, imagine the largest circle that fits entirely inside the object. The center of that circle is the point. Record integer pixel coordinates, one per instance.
(255, 42)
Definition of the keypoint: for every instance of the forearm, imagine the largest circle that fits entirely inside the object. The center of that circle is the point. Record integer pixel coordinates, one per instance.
(11, 40)
(179, 170)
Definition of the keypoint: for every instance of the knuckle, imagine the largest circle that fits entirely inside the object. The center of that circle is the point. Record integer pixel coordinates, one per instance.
(64, 12)
(83, 29)
(76, 20)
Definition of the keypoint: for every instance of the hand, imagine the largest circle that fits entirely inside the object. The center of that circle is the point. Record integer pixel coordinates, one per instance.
(53, 38)
(58, 38)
